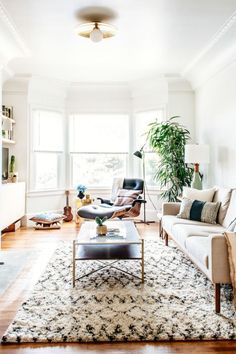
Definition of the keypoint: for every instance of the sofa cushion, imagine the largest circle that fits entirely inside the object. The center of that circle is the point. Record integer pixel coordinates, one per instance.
(222, 195)
(199, 211)
(198, 247)
(182, 232)
(205, 195)
(169, 221)
(231, 211)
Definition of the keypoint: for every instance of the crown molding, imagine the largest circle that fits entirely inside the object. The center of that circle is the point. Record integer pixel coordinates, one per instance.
(219, 53)
(7, 74)
(12, 44)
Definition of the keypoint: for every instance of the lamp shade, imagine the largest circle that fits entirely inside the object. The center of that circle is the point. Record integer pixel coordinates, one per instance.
(195, 153)
(138, 154)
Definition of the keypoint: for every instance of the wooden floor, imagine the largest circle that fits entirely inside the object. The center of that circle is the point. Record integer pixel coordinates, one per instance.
(43, 243)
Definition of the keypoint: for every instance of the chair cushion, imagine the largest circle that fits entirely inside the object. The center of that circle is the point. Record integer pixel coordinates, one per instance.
(91, 211)
(205, 195)
(199, 211)
(222, 195)
(126, 196)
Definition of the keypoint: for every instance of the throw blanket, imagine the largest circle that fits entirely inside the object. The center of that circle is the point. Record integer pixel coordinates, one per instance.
(117, 184)
(231, 243)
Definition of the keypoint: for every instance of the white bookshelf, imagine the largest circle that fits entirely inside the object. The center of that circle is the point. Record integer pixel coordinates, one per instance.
(7, 141)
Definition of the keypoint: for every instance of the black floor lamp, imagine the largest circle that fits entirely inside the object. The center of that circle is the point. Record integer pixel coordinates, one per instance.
(141, 155)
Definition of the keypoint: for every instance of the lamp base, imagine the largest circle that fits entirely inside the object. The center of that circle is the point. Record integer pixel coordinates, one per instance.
(196, 181)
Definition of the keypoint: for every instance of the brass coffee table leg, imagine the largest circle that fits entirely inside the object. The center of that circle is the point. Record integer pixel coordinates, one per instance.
(73, 265)
(142, 250)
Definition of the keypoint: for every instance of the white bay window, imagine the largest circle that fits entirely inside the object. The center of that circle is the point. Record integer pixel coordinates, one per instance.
(47, 150)
(99, 145)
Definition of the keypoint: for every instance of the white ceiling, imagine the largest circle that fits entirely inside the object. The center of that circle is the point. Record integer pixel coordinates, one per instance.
(154, 37)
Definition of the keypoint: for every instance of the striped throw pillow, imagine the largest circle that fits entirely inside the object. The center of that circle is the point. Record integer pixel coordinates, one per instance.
(126, 196)
(199, 211)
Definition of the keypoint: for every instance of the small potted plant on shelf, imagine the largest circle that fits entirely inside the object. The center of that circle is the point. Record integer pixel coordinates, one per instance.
(101, 228)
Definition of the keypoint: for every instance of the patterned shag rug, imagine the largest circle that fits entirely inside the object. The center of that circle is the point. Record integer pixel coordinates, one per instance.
(175, 303)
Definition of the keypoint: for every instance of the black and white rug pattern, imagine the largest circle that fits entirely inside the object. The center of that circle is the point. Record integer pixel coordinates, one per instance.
(175, 303)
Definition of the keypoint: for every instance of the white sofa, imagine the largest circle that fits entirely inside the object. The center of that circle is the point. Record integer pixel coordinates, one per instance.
(203, 243)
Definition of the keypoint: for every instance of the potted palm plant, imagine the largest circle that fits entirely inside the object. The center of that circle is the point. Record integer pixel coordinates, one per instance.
(168, 140)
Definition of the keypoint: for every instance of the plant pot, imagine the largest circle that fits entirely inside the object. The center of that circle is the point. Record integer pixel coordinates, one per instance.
(101, 230)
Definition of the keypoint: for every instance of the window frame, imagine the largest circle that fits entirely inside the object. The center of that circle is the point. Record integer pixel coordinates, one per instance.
(33, 151)
(64, 176)
(71, 153)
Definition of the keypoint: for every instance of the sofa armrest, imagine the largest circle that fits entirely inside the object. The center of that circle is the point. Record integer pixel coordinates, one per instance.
(170, 208)
(218, 259)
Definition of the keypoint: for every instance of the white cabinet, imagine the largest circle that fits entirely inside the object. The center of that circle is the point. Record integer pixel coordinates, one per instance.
(12, 203)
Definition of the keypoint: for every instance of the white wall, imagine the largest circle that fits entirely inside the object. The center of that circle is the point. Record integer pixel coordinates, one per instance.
(181, 102)
(216, 125)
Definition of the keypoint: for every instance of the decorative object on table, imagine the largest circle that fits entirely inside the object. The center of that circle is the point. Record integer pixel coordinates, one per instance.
(196, 154)
(67, 209)
(81, 190)
(109, 209)
(46, 221)
(101, 229)
(168, 140)
(87, 200)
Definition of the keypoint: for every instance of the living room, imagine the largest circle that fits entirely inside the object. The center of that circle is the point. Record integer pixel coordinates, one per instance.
(88, 92)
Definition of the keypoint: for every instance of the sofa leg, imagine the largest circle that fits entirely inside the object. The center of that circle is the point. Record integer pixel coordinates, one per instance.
(165, 234)
(217, 298)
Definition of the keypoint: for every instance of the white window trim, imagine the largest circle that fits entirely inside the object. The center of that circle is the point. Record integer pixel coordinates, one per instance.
(61, 162)
(66, 165)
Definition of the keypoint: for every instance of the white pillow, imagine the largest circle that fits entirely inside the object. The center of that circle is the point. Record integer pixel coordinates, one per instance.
(204, 195)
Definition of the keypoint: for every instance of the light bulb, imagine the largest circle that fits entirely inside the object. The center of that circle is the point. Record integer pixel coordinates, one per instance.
(96, 34)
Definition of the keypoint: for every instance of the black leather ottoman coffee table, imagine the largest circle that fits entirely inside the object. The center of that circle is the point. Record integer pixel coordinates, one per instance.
(122, 242)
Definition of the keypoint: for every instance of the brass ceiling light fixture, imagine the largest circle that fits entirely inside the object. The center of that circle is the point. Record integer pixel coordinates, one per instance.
(96, 31)
(95, 26)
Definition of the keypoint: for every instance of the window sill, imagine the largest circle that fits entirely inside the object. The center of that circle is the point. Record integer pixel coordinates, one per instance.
(105, 190)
